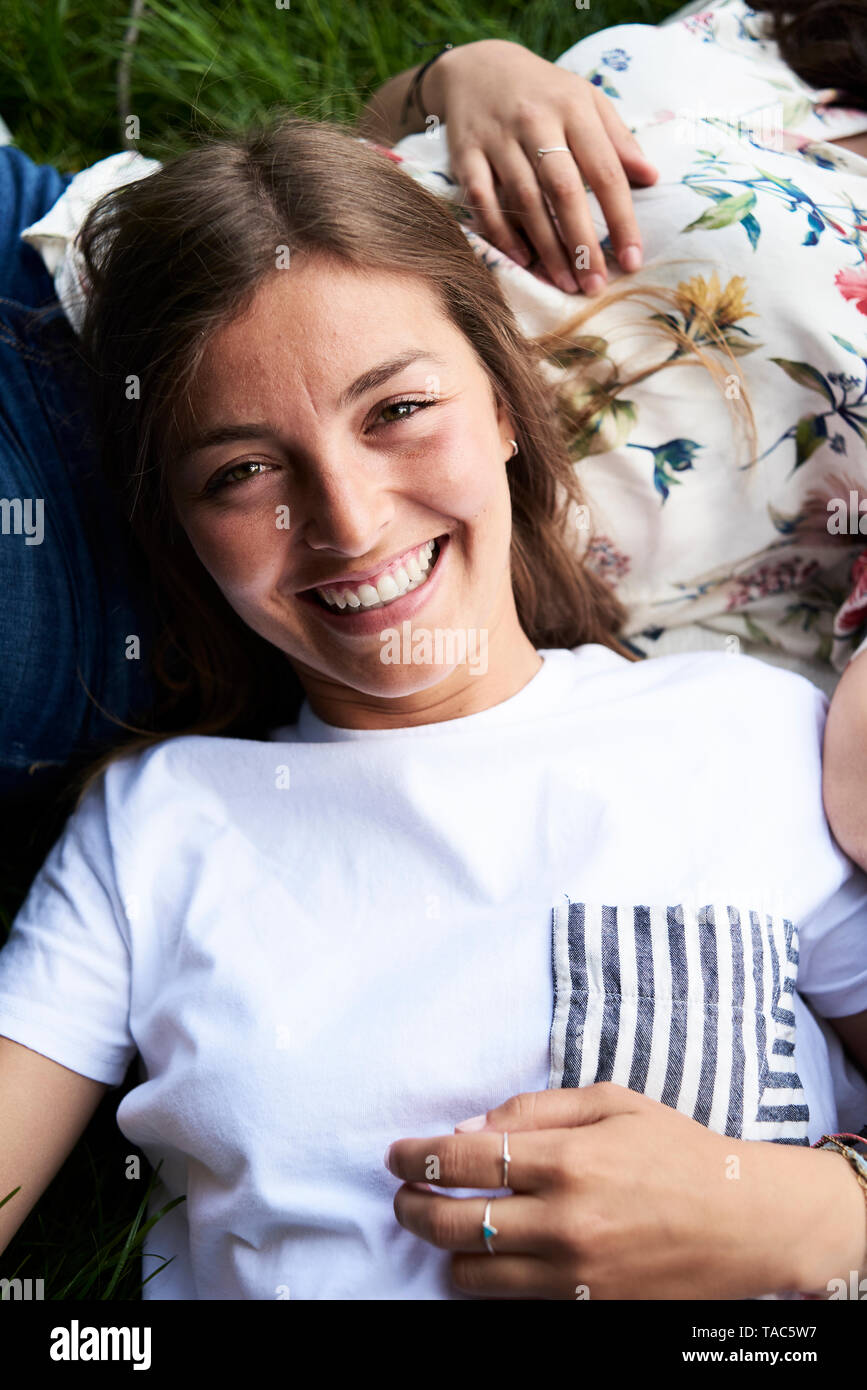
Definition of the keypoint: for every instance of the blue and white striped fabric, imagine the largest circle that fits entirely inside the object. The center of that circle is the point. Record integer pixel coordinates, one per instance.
(690, 1006)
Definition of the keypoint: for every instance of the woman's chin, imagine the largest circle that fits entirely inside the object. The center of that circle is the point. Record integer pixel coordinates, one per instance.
(398, 679)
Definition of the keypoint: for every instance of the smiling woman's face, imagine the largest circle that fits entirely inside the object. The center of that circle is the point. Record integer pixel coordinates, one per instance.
(341, 425)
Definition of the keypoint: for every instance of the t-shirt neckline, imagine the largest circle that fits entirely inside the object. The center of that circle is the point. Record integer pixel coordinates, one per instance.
(309, 728)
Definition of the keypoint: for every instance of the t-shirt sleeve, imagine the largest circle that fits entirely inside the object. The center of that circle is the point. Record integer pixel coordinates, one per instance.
(832, 969)
(65, 970)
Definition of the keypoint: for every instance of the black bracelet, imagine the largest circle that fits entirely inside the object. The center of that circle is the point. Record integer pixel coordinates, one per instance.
(415, 85)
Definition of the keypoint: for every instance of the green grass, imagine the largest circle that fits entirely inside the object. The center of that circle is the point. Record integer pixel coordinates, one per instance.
(198, 67)
(195, 64)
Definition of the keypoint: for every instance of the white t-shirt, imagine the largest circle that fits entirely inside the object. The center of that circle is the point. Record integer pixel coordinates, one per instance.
(340, 938)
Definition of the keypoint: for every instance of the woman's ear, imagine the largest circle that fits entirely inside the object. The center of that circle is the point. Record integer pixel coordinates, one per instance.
(506, 423)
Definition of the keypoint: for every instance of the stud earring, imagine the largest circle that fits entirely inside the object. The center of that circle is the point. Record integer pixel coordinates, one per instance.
(514, 444)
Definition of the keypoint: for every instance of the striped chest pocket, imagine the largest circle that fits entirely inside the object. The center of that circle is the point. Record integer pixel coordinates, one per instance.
(691, 1007)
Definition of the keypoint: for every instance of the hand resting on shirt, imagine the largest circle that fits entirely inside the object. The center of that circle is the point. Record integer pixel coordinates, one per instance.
(617, 1196)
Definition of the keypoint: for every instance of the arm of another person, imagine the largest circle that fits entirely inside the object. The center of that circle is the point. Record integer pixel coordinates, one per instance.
(44, 1110)
(500, 104)
(844, 762)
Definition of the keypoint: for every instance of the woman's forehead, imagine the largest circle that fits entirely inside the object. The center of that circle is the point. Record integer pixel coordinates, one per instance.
(329, 294)
(326, 326)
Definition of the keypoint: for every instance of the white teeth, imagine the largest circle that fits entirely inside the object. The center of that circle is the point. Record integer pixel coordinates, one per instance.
(386, 588)
(413, 572)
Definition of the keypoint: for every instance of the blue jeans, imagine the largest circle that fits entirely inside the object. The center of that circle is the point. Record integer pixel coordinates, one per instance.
(71, 584)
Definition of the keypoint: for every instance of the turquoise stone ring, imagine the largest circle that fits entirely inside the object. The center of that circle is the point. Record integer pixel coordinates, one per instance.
(488, 1229)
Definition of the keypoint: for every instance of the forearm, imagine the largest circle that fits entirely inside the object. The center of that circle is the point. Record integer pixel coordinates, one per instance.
(844, 762)
(829, 1207)
(382, 117)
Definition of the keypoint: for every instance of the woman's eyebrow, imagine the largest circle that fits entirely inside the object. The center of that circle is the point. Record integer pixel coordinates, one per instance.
(373, 377)
(221, 434)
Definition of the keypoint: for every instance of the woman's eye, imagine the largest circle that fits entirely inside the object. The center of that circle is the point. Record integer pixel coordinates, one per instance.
(235, 474)
(397, 405)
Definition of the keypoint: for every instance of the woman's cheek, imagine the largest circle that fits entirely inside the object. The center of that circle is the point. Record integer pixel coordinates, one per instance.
(244, 552)
(457, 471)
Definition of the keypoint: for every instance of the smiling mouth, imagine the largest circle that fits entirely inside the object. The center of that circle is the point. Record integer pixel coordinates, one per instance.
(349, 610)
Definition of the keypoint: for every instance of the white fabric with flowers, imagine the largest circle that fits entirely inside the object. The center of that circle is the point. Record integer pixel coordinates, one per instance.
(760, 226)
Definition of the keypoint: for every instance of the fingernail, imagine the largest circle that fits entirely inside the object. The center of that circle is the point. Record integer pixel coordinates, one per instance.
(422, 1186)
(593, 284)
(630, 258)
(519, 255)
(387, 1152)
(566, 280)
(475, 1122)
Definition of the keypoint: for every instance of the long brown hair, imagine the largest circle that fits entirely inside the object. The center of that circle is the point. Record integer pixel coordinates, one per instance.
(824, 42)
(176, 255)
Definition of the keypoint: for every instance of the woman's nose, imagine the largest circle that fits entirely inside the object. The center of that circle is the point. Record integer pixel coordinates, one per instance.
(343, 507)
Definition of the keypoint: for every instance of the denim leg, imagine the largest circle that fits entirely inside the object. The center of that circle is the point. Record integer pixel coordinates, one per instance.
(72, 585)
(27, 192)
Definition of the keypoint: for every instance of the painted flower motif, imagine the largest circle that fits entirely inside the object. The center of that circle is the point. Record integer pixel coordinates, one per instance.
(490, 256)
(844, 379)
(674, 457)
(604, 559)
(706, 313)
(738, 207)
(853, 614)
(599, 79)
(815, 154)
(838, 444)
(852, 284)
(701, 25)
(722, 305)
(807, 616)
(616, 58)
(787, 523)
(770, 579)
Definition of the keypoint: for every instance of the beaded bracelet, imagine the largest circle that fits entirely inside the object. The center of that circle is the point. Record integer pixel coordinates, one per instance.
(856, 1161)
(414, 92)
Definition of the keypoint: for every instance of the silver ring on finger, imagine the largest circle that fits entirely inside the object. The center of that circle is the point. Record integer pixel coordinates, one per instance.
(552, 149)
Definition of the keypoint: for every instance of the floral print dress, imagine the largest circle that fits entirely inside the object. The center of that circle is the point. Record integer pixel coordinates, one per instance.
(758, 229)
